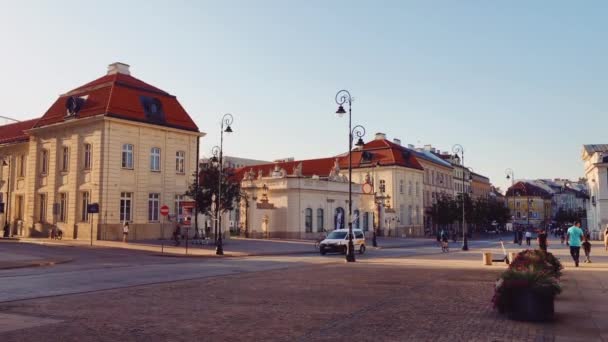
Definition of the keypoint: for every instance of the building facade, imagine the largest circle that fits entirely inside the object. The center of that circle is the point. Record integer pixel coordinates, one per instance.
(595, 158)
(481, 188)
(116, 141)
(300, 199)
(437, 181)
(530, 204)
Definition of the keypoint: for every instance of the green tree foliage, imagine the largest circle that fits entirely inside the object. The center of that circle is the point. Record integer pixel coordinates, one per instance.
(208, 186)
(480, 212)
(569, 216)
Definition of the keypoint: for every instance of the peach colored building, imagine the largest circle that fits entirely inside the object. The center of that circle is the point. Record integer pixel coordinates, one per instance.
(116, 141)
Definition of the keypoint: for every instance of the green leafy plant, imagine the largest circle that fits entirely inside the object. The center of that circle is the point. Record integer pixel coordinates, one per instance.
(537, 261)
(513, 283)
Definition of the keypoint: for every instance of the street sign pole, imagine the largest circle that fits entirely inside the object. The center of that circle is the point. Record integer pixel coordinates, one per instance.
(92, 208)
(164, 211)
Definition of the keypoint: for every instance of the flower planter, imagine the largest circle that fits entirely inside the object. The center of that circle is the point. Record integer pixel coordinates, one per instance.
(529, 305)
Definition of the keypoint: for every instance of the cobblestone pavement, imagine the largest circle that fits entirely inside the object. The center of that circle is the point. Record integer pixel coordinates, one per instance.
(331, 302)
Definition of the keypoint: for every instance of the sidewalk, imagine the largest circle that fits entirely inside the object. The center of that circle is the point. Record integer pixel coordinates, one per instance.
(234, 247)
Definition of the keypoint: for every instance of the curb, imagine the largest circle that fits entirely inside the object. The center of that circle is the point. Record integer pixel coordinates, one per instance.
(42, 263)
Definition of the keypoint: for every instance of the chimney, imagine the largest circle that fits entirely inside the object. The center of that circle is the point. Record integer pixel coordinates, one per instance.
(427, 147)
(433, 149)
(118, 68)
(397, 141)
(380, 136)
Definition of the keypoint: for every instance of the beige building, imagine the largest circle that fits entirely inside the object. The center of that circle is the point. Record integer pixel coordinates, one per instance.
(387, 192)
(438, 180)
(300, 199)
(116, 141)
(481, 188)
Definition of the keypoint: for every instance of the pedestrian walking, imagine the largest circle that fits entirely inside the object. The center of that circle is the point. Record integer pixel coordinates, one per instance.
(606, 238)
(125, 231)
(445, 247)
(542, 240)
(528, 237)
(574, 237)
(520, 236)
(587, 248)
(561, 235)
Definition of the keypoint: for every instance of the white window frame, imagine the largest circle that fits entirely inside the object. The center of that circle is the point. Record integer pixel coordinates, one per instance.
(320, 220)
(180, 162)
(65, 159)
(42, 209)
(308, 218)
(44, 162)
(88, 156)
(63, 207)
(155, 159)
(127, 156)
(126, 207)
(153, 207)
(178, 208)
(85, 200)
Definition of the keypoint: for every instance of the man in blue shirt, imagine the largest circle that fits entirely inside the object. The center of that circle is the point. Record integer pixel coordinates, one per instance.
(574, 239)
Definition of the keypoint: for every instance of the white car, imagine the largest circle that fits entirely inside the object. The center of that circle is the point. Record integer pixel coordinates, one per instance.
(337, 241)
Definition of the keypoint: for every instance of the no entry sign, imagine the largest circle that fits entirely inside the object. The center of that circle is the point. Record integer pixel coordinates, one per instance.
(164, 210)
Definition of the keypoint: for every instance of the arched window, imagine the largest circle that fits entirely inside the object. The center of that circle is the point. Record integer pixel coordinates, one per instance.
(339, 218)
(357, 220)
(308, 222)
(320, 227)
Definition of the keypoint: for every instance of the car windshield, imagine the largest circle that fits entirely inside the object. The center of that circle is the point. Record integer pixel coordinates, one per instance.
(336, 235)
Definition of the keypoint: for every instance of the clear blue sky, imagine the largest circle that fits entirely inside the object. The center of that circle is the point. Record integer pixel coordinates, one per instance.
(519, 84)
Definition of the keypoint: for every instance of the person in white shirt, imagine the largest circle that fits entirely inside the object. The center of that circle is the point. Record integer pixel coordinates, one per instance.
(125, 231)
(528, 237)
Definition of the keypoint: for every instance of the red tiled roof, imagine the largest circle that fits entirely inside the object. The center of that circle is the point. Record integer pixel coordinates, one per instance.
(320, 167)
(527, 189)
(118, 95)
(384, 152)
(15, 132)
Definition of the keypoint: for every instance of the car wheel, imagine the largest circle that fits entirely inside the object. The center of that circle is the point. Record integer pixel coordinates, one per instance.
(362, 249)
(344, 249)
(322, 250)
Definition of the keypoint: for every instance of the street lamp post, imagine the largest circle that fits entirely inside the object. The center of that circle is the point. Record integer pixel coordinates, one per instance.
(511, 175)
(218, 157)
(458, 149)
(7, 200)
(343, 97)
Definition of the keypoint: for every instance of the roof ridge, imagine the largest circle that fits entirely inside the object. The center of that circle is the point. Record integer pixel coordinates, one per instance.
(111, 92)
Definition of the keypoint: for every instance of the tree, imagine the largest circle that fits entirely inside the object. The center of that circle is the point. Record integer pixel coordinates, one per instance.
(208, 185)
(443, 211)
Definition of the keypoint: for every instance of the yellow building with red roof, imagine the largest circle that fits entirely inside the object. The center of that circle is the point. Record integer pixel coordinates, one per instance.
(117, 141)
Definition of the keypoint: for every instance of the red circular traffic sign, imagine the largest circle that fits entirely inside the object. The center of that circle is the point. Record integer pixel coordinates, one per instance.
(164, 210)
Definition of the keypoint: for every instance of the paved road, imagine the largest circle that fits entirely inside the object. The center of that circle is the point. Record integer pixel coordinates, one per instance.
(96, 269)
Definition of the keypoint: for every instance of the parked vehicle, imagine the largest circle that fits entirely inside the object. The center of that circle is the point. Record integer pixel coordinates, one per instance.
(337, 241)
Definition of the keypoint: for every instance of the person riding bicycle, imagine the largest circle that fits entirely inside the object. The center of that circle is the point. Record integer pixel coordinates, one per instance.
(176, 234)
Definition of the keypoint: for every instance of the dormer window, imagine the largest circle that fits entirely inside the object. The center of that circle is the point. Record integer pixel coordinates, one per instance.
(73, 105)
(153, 109)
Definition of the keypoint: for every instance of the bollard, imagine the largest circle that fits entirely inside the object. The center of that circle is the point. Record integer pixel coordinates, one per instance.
(512, 256)
(487, 258)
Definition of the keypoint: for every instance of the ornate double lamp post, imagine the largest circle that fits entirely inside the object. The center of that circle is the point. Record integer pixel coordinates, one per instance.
(510, 175)
(458, 149)
(218, 160)
(343, 97)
